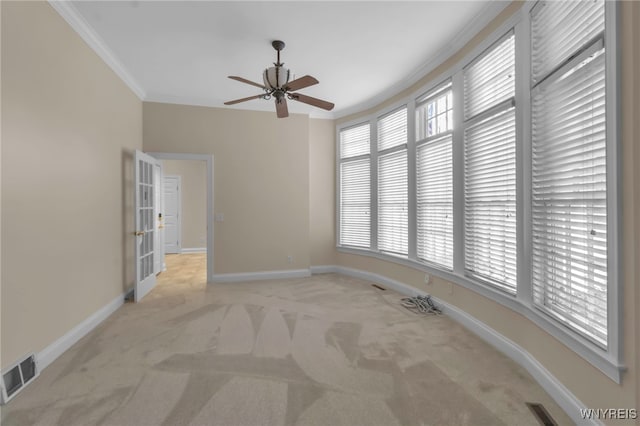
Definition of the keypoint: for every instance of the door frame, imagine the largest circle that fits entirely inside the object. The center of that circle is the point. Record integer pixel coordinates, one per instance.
(159, 208)
(208, 158)
(178, 179)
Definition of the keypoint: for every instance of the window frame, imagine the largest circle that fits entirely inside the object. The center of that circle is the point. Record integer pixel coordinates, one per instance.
(608, 361)
(339, 162)
(421, 140)
(387, 151)
(490, 112)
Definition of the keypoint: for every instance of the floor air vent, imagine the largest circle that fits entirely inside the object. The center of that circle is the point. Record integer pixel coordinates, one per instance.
(541, 414)
(18, 376)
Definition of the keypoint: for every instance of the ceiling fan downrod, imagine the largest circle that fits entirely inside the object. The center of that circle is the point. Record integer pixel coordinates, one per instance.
(278, 45)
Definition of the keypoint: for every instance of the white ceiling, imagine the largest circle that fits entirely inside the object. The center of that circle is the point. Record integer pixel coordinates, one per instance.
(360, 51)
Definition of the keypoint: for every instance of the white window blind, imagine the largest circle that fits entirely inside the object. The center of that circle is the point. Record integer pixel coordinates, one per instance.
(355, 141)
(560, 29)
(490, 79)
(393, 201)
(435, 201)
(392, 130)
(490, 167)
(490, 200)
(569, 171)
(434, 176)
(355, 187)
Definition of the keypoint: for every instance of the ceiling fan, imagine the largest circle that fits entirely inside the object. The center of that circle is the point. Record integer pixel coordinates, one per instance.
(277, 85)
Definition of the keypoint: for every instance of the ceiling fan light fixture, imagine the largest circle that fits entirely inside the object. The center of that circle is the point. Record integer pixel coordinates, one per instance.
(277, 84)
(275, 77)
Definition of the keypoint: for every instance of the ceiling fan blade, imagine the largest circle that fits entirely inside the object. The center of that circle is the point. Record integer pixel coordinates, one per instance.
(237, 101)
(301, 83)
(281, 107)
(244, 80)
(312, 101)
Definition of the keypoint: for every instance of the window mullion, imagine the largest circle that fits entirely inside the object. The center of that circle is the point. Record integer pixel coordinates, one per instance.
(374, 184)
(523, 163)
(338, 186)
(411, 176)
(458, 173)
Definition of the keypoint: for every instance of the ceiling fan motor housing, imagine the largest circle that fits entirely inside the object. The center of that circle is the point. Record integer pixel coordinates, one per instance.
(275, 77)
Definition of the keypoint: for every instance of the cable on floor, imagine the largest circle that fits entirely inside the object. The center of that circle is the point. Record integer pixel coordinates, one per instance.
(421, 304)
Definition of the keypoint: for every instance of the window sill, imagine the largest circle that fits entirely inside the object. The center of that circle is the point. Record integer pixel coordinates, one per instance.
(586, 349)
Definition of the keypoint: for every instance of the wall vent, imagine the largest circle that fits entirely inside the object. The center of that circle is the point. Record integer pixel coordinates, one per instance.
(541, 414)
(17, 377)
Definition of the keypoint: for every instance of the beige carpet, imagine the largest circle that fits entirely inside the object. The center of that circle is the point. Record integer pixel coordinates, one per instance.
(325, 350)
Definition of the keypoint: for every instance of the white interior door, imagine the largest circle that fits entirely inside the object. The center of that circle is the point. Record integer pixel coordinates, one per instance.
(172, 186)
(145, 223)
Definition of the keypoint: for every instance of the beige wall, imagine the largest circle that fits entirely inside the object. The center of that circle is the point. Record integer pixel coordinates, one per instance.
(322, 199)
(1, 363)
(630, 61)
(193, 217)
(261, 180)
(69, 127)
(591, 386)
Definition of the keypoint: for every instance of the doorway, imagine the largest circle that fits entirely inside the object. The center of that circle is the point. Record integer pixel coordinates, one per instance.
(172, 213)
(208, 231)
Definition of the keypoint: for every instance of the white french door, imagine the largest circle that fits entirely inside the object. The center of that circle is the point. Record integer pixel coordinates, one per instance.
(145, 220)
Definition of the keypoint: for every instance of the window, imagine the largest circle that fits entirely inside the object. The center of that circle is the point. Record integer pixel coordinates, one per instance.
(393, 200)
(355, 187)
(569, 165)
(527, 160)
(490, 167)
(434, 177)
(434, 112)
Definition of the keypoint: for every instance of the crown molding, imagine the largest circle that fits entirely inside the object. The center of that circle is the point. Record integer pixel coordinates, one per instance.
(70, 14)
(480, 21)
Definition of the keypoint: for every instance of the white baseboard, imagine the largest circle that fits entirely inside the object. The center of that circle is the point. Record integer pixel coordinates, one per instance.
(563, 396)
(57, 348)
(565, 399)
(265, 275)
(194, 250)
(322, 269)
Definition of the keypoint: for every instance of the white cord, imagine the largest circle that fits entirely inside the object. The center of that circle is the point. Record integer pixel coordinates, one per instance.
(422, 304)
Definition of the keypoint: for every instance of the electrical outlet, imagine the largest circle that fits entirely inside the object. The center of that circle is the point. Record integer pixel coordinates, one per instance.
(289, 259)
(427, 279)
(450, 288)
